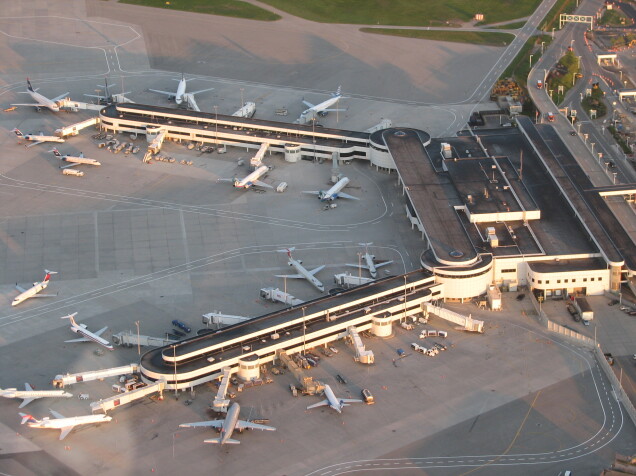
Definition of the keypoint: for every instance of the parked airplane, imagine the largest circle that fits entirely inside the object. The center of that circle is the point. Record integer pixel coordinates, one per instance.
(74, 160)
(228, 425)
(34, 290)
(179, 95)
(321, 109)
(334, 402)
(87, 336)
(37, 139)
(109, 98)
(334, 192)
(251, 179)
(60, 422)
(29, 394)
(53, 104)
(303, 273)
(371, 265)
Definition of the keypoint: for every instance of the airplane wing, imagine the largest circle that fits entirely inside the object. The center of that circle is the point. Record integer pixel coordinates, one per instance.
(100, 332)
(28, 387)
(312, 192)
(74, 164)
(262, 184)
(350, 400)
(56, 414)
(81, 339)
(43, 295)
(334, 110)
(20, 288)
(363, 266)
(324, 403)
(290, 276)
(162, 92)
(225, 180)
(25, 402)
(308, 104)
(346, 195)
(229, 441)
(314, 271)
(65, 431)
(201, 91)
(32, 104)
(60, 97)
(242, 425)
(210, 423)
(379, 265)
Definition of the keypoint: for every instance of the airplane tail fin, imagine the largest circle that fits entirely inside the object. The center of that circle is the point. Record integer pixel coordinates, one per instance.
(71, 317)
(18, 132)
(29, 87)
(217, 441)
(288, 251)
(338, 91)
(27, 418)
(47, 277)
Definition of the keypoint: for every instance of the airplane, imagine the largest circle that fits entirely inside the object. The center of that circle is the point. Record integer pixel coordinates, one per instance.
(334, 402)
(371, 266)
(74, 160)
(227, 426)
(251, 179)
(87, 336)
(108, 98)
(180, 95)
(60, 422)
(334, 192)
(29, 394)
(36, 139)
(321, 109)
(33, 290)
(53, 104)
(303, 273)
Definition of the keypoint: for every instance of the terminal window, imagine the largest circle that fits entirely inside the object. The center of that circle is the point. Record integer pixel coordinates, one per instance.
(591, 279)
(600, 279)
(558, 281)
(585, 280)
(547, 281)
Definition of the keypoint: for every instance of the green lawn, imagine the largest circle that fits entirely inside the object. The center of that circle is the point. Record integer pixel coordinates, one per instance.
(228, 8)
(474, 37)
(405, 12)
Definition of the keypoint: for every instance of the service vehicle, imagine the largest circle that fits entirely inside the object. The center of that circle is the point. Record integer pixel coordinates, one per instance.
(181, 325)
(367, 396)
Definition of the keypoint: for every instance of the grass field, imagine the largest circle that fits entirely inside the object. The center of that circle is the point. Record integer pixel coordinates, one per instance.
(405, 12)
(508, 26)
(228, 8)
(474, 37)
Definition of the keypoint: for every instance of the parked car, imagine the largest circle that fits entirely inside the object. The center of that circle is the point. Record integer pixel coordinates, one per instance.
(333, 349)
(324, 351)
(181, 325)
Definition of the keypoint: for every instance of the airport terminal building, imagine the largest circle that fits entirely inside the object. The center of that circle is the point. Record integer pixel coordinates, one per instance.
(485, 218)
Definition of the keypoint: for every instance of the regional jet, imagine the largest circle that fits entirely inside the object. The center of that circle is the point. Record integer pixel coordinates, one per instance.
(250, 180)
(29, 394)
(60, 422)
(74, 160)
(37, 139)
(34, 290)
(334, 192)
(334, 402)
(321, 109)
(303, 273)
(180, 95)
(371, 265)
(228, 425)
(109, 98)
(54, 104)
(87, 336)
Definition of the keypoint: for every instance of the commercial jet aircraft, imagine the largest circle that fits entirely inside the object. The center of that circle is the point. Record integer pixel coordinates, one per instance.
(334, 192)
(74, 160)
(34, 290)
(35, 138)
(60, 422)
(251, 179)
(29, 394)
(303, 273)
(41, 101)
(87, 336)
(334, 402)
(371, 265)
(321, 109)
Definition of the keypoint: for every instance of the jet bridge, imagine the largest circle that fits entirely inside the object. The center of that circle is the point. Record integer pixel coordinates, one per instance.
(61, 380)
(74, 129)
(219, 319)
(466, 323)
(276, 295)
(127, 397)
(257, 160)
(221, 403)
(129, 339)
(362, 355)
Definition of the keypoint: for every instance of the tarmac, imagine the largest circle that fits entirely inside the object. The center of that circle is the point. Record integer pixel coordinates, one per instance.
(150, 243)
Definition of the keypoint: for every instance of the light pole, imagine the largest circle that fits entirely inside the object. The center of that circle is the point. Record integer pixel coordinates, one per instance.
(242, 103)
(531, 60)
(621, 72)
(216, 127)
(359, 268)
(606, 168)
(571, 44)
(579, 126)
(614, 178)
(578, 62)
(581, 94)
(553, 33)
(592, 144)
(138, 344)
(174, 356)
(304, 329)
(542, 45)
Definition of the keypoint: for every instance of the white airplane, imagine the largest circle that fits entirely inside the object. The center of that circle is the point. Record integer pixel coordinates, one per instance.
(334, 192)
(34, 290)
(53, 104)
(29, 394)
(303, 273)
(74, 160)
(371, 265)
(36, 139)
(251, 179)
(179, 95)
(228, 425)
(334, 402)
(60, 422)
(87, 336)
(321, 109)
(109, 98)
